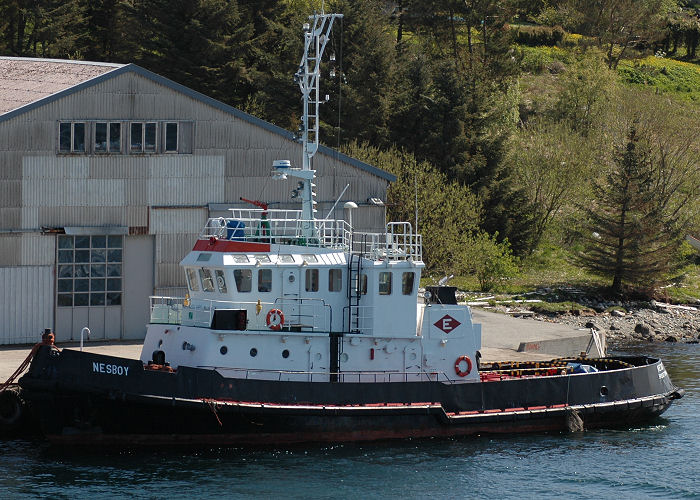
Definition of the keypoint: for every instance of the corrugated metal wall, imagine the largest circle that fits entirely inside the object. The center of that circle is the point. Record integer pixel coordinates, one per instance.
(175, 230)
(230, 158)
(26, 303)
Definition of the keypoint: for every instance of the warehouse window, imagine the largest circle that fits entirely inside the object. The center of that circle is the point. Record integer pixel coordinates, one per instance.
(171, 137)
(143, 137)
(107, 137)
(89, 270)
(71, 137)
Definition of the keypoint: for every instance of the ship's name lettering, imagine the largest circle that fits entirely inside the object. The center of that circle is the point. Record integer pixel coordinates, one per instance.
(110, 369)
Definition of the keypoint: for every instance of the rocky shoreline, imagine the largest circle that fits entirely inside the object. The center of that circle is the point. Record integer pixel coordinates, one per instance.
(629, 323)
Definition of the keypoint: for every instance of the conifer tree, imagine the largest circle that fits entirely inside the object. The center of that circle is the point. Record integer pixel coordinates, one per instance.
(200, 44)
(632, 237)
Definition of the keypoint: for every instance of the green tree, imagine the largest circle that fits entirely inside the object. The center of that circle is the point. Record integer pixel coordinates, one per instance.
(648, 200)
(41, 28)
(201, 44)
(585, 90)
(553, 165)
(366, 67)
(489, 260)
(446, 213)
(103, 33)
(619, 25)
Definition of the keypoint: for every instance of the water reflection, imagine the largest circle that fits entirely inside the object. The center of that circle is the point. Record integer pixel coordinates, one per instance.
(657, 460)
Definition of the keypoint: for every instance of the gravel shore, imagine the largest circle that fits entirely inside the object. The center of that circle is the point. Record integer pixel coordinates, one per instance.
(658, 323)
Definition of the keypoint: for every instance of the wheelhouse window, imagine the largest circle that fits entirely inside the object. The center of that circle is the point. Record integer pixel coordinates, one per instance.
(143, 137)
(385, 283)
(107, 137)
(407, 280)
(220, 281)
(171, 137)
(311, 280)
(243, 279)
(71, 137)
(335, 280)
(363, 284)
(264, 280)
(192, 280)
(207, 280)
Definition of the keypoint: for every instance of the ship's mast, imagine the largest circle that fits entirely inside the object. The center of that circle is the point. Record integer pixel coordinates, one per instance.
(308, 76)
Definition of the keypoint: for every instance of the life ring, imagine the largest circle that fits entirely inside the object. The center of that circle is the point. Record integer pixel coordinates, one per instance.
(458, 370)
(275, 319)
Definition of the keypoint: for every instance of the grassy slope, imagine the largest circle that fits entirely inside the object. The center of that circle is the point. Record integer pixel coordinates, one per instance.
(552, 267)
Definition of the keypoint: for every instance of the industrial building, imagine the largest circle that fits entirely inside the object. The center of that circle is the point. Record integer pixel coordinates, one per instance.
(108, 172)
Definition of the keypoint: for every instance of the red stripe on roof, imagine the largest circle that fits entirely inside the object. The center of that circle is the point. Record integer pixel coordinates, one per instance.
(216, 245)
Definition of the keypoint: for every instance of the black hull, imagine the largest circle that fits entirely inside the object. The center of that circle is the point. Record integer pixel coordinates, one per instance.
(77, 405)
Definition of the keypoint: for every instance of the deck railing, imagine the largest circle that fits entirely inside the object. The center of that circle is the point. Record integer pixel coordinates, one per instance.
(306, 313)
(285, 227)
(343, 376)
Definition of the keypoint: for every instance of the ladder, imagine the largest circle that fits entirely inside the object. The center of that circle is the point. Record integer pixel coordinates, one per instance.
(354, 291)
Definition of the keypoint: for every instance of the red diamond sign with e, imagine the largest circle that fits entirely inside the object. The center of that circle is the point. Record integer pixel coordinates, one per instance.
(447, 323)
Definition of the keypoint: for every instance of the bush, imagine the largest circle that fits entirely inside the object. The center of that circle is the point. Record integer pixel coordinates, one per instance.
(489, 260)
(536, 36)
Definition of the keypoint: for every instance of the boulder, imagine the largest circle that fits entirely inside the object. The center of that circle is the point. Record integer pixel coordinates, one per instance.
(671, 338)
(617, 313)
(642, 329)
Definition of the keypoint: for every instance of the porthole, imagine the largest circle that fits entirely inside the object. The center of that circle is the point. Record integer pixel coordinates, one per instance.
(291, 278)
(603, 390)
(344, 357)
(285, 353)
(223, 349)
(253, 352)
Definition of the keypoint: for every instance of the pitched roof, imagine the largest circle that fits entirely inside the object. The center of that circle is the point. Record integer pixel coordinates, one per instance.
(27, 83)
(25, 80)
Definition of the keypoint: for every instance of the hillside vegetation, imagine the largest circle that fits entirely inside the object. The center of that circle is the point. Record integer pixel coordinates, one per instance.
(546, 141)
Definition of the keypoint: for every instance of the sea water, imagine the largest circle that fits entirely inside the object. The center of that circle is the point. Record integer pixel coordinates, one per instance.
(658, 460)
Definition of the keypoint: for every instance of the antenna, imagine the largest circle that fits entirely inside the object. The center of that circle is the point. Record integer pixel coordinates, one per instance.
(316, 36)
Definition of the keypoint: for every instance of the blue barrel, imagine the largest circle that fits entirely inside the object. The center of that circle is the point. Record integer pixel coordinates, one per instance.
(234, 230)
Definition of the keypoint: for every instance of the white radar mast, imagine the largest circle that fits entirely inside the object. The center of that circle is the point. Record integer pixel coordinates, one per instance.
(308, 76)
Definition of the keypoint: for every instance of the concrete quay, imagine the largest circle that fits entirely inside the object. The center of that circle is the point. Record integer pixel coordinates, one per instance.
(503, 338)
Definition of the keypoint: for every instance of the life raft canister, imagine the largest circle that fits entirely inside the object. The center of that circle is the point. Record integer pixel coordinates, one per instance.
(458, 362)
(275, 319)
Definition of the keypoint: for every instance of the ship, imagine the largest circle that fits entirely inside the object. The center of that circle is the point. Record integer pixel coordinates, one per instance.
(300, 329)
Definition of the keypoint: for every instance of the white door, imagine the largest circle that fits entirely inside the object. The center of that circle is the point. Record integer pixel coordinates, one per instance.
(291, 293)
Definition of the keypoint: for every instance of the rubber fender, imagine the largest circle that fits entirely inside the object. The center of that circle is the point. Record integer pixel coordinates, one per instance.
(11, 410)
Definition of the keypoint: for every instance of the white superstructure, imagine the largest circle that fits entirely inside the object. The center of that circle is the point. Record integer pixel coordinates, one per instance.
(282, 295)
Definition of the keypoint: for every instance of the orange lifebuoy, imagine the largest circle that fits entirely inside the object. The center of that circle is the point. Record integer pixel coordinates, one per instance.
(275, 319)
(458, 370)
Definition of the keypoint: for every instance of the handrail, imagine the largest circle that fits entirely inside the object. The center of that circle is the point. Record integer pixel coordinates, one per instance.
(171, 309)
(398, 242)
(403, 375)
